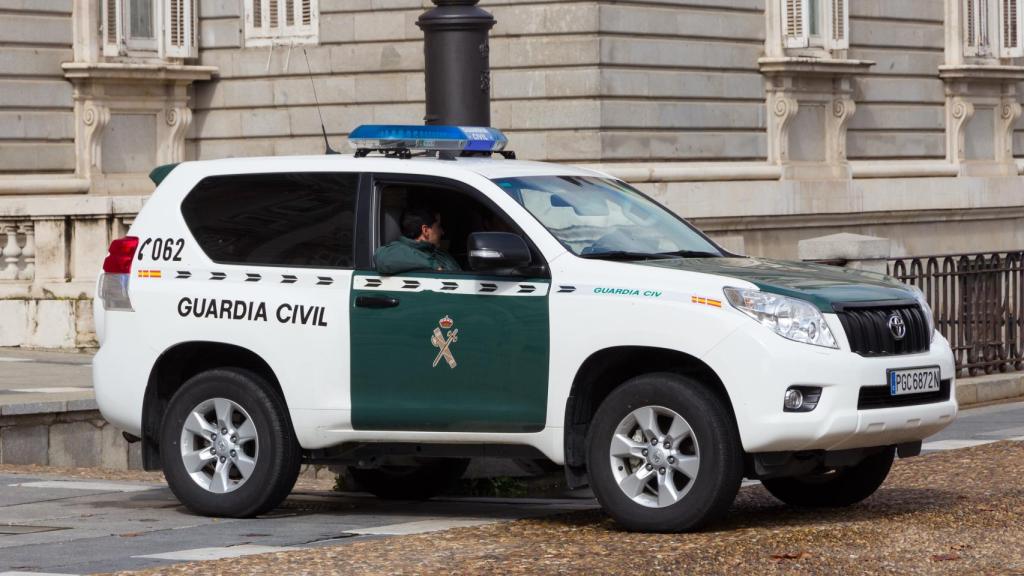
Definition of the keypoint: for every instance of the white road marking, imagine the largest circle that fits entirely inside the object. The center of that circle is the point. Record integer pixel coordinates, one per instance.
(5, 359)
(98, 486)
(16, 573)
(954, 444)
(56, 390)
(218, 553)
(422, 526)
(1009, 433)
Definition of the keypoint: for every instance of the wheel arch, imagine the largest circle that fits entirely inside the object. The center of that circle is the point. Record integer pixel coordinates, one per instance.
(175, 366)
(607, 369)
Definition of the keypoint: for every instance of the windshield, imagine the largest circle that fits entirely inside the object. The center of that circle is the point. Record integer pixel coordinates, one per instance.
(604, 218)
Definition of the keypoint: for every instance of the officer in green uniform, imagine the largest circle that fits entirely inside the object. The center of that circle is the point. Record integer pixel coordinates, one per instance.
(419, 247)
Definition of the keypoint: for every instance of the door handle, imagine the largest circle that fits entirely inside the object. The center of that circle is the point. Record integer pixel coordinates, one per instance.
(376, 301)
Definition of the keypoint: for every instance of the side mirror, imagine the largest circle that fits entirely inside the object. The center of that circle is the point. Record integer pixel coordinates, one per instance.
(497, 250)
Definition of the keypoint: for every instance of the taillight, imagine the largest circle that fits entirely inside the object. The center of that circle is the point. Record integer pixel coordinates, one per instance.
(120, 255)
(117, 268)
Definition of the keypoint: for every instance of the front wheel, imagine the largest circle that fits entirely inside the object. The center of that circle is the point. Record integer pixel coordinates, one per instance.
(663, 454)
(834, 488)
(227, 445)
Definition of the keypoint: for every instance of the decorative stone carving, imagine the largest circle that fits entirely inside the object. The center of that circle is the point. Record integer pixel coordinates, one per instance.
(810, 103)
(842, 110)
(105, 89)
(95, 118)
(960, 111)
(1009, 113)
(985, 93)
(178, 120)
(28, 252)
(783, 111)
(11, 252)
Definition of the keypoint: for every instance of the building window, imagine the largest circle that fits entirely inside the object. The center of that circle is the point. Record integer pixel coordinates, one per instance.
(981, 17)
(817, 24)
(150, 28)
(269, 22)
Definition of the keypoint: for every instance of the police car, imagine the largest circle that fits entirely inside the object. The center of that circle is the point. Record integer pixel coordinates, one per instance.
(245, 330)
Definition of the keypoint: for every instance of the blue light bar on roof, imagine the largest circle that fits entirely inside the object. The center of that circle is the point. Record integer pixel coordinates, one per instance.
(447, 138)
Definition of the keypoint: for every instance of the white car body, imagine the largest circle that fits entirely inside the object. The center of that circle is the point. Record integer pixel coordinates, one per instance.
(669, 310)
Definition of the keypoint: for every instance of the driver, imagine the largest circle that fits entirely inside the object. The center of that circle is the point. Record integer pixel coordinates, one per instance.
(419, 247)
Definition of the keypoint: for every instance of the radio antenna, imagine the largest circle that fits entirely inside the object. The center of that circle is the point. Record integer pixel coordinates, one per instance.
(323, 129)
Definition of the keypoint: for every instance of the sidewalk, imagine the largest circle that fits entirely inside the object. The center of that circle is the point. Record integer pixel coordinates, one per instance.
(48, 413)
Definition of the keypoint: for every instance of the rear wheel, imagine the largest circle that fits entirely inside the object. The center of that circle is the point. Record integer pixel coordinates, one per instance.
(227, 445)
(419, 481)
(834, 488)
(663, 454)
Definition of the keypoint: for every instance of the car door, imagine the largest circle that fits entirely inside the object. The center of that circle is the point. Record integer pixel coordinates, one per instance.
(434, 351)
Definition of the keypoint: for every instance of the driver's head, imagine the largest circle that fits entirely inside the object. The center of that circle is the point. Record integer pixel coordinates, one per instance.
(423, 225)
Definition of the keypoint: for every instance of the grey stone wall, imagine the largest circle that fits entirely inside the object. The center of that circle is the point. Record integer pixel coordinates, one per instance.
(900, 102)
(572, 81)
(36, 116)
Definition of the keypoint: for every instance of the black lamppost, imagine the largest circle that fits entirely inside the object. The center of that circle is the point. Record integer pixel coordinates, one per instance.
(458, 70)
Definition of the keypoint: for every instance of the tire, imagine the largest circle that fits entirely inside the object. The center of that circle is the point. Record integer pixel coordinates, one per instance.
(419, 482)
(262, 463)
(836, 488)
(704, 467)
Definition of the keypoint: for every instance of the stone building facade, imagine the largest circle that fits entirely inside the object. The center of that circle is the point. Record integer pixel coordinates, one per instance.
(763, 121)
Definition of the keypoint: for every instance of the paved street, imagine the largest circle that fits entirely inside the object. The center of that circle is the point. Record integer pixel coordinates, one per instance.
(76, 525)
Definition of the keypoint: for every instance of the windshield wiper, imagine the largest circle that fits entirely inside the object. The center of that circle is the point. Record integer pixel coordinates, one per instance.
(691, 254)
(625, 255)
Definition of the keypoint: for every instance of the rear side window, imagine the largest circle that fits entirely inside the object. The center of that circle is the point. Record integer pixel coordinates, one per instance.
(294, 219)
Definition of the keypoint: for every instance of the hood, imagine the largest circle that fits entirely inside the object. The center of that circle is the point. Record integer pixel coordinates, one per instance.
(819, 284)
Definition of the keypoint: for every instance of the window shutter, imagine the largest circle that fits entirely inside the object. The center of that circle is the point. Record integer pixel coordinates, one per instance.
(840, 25)
(1010, 28)
(180, 28)
(795, 32)
(274, 22)
(976, 40)
(289, 12)
(113, 35)
(307, 12)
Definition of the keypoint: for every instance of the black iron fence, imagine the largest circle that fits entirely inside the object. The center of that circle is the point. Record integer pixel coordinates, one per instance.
(978, 302)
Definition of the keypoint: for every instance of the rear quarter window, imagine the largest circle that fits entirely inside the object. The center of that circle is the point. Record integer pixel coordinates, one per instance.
(293, 219)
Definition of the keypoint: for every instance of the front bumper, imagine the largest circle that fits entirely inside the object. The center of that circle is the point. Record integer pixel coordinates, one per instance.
(757, 366)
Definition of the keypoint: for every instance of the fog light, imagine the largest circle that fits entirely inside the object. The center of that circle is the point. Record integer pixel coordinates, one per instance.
(801, 398)
(794, 399)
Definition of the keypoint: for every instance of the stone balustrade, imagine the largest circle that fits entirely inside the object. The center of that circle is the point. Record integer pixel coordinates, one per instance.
(51, 251)
(17, 250)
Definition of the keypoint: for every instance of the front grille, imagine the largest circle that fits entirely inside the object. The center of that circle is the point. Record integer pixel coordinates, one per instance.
(874, 397)
(867, 328)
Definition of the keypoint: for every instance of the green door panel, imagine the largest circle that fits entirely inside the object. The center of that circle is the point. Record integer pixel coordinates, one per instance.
(500, 351)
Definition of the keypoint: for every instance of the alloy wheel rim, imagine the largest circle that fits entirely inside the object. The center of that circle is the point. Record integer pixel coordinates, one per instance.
(219, 446)
(654, 456)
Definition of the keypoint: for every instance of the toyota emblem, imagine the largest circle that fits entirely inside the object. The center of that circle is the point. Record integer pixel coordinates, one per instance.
(897, 326)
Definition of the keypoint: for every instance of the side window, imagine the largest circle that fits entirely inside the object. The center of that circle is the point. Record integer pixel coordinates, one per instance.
(461, 215)
(303, 219)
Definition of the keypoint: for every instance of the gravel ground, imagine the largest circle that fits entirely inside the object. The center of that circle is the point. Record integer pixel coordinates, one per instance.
(957, 512)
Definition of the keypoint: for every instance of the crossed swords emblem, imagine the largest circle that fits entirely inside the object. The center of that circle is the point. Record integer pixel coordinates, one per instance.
(444, 344)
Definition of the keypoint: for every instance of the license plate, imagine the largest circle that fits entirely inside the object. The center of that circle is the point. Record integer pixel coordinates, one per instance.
(913, 380)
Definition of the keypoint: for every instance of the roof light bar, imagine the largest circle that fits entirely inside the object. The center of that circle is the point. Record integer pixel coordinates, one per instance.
(440, 138)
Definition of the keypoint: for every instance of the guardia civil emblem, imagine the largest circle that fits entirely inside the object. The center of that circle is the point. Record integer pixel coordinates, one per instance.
(443, 342)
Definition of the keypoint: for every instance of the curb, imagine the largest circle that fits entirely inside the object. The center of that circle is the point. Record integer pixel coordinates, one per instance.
(989, 388)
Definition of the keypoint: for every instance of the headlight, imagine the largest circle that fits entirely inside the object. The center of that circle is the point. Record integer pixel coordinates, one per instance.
(928, 314)
(790, 318)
